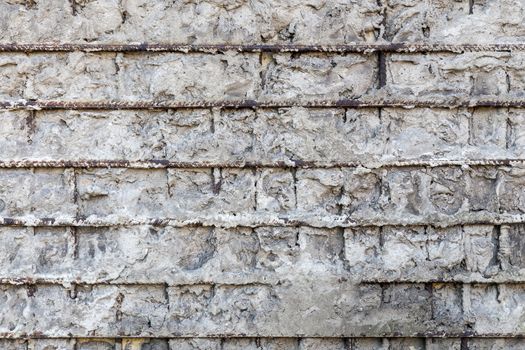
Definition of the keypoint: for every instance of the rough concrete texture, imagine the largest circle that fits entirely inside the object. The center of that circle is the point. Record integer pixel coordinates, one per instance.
(233, 343)
(183, 77)
(265, 254)
(458, 21)
(474, 74)
(232, 21)
(355, 195)
(241, 21)
(287, 217)
(256, 308)
(267, 136)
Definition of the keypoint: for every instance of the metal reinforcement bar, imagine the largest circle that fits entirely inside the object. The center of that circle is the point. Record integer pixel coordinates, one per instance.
(68, 283)
(363, 102)
(261, 219)
(214, 48)
(463, 336)
(71, 283)
(160, 163)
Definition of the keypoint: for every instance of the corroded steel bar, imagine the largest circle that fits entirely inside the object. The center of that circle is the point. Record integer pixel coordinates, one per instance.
(254, 220)
(436, 334)
(215, 48)
(69, 283)
(363, 102)
(161, 163)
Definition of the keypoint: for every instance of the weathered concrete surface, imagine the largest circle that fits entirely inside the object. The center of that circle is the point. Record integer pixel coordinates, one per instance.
(292, 135)
(328, 225)
(325, 22)
(268, 136)
(39, 192)
(190, 255)
(446, 195)
(459, 21)
(263, 343)
(190, 21)
(487, 73)
(183, 77)
(253, 309)
(211, 310)
(200, 77)
(51, 344)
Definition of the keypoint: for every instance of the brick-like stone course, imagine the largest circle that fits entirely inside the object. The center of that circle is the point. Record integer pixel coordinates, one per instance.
(189, 255)
(267, 136)
(234, 21)
(420, 194)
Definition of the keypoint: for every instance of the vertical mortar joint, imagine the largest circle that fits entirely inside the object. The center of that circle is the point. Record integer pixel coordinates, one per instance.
(294, 178)
(348, 343)
(31, 125)
(73, 291)
(430, 289)
(381, 69)
(255, 184)
(509, 133)
(118, 307)
(216, 175)
(74, 233)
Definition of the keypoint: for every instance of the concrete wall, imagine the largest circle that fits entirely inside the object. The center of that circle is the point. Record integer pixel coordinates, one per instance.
(361, 196)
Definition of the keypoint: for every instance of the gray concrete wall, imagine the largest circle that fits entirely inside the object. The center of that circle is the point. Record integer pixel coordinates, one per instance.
(355, 197)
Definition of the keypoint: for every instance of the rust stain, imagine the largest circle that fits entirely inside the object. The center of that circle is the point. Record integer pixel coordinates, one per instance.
(215, 48)
(32, 284)
(363, 102)
(292, 164)
(261, 220)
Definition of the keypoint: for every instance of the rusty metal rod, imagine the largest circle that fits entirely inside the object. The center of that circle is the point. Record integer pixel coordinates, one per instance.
(254, 220)
(215, 48)
(163, 164)
(362, 102)
(437, 334)
(78, 282)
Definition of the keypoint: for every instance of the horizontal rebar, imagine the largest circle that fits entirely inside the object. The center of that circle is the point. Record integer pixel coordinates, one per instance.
(163, 164)
(76, 282)
(67, 283)
(393, 335)
(362, 102)
(214, 48)
(263, 219)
